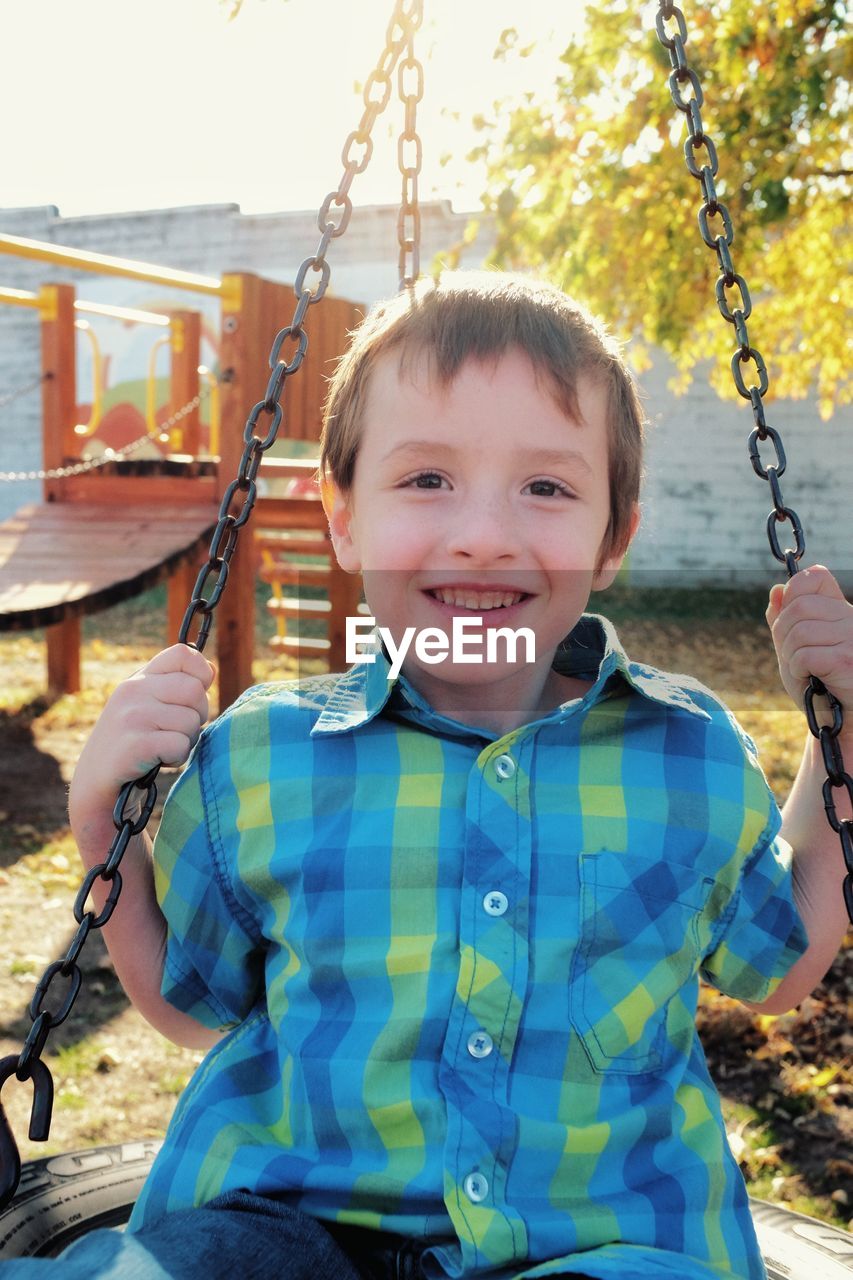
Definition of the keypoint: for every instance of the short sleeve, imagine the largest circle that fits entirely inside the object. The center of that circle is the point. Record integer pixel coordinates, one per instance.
(761, 934)
(214, 954)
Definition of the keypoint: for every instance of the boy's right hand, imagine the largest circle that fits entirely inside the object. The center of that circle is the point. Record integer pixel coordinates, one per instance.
(154, 717)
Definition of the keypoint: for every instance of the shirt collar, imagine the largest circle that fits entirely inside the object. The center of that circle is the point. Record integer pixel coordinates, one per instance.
(590, 651)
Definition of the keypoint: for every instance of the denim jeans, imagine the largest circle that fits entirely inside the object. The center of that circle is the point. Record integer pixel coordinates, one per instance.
(237, 1235)
(234, 1237)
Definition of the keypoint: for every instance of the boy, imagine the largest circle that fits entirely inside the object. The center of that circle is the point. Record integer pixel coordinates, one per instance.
(443, 932)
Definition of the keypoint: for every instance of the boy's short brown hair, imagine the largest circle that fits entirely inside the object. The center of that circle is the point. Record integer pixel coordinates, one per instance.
(480, 315)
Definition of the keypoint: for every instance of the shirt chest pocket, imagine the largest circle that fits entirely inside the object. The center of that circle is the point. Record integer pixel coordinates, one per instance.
(638, 944)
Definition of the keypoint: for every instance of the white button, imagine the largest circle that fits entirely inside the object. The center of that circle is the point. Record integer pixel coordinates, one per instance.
(504, 766)
(495, 903)
(476, 1187)
(480, 1044)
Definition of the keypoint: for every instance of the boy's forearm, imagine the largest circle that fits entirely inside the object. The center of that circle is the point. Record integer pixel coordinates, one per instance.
(135, 934)
(818, 875)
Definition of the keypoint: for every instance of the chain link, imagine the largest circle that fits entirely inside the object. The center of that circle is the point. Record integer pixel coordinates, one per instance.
(111, 455)
(23, 390)
(410, 85)
(129, 818)
(705, 171)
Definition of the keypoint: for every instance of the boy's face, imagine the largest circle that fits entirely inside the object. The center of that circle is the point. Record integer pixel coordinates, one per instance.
(483, 486)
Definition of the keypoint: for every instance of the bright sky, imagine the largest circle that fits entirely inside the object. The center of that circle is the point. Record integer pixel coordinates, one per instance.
(113, 105)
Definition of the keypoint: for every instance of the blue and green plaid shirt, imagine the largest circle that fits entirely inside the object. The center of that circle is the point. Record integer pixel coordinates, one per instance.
(462, 969)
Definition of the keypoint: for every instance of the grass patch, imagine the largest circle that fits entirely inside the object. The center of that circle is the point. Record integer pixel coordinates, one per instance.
(71, 1100)
(79, 1060)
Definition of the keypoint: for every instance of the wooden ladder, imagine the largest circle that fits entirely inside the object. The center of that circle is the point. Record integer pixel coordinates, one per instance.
(295, 555)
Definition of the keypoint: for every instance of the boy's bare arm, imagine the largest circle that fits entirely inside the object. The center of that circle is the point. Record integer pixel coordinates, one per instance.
(812, 627)
(818, 871)
(154, 717)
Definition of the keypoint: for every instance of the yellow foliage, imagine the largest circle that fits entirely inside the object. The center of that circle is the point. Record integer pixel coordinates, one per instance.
(588, 185)
(825, 1077)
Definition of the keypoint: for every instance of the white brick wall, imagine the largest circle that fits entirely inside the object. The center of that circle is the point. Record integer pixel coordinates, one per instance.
(704, 510)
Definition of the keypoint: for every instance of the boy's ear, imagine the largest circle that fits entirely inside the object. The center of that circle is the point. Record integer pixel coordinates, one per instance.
(608, 569)
(327, 495)
(339, 515)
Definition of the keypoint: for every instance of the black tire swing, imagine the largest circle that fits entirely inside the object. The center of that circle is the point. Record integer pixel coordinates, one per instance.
(61, 1198)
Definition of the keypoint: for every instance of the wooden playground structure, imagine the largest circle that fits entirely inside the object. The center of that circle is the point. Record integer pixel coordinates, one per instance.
(109, 530)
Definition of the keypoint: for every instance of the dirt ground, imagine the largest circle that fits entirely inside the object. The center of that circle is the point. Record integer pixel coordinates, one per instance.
(786, 1082)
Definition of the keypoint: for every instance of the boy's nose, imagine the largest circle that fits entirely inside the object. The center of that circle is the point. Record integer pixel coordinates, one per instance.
(483, 532)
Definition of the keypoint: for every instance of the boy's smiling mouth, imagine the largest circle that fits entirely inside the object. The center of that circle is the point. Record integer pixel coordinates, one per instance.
(473, 599)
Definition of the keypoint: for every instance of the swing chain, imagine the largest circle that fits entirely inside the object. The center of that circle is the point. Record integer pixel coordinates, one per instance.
(409, 154)
(404, 22)
(130, 815)
(838, 779)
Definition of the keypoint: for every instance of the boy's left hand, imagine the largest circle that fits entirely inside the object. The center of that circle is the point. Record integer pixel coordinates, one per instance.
(812, 627)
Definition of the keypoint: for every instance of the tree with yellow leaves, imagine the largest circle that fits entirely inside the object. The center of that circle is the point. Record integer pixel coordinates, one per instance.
(587, 184)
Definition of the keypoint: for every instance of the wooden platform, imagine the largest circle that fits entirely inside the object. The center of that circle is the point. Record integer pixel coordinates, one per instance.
(60, 560)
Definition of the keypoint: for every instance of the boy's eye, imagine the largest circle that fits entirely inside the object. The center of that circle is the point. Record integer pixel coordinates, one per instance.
(556, 486)
(425, 475)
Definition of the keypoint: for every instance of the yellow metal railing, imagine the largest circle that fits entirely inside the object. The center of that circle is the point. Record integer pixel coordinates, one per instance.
(21, 298)
(130, 314)
(89, 428)
(105, 264)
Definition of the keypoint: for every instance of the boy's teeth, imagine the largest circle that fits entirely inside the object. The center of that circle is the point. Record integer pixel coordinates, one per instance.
(469, 600)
